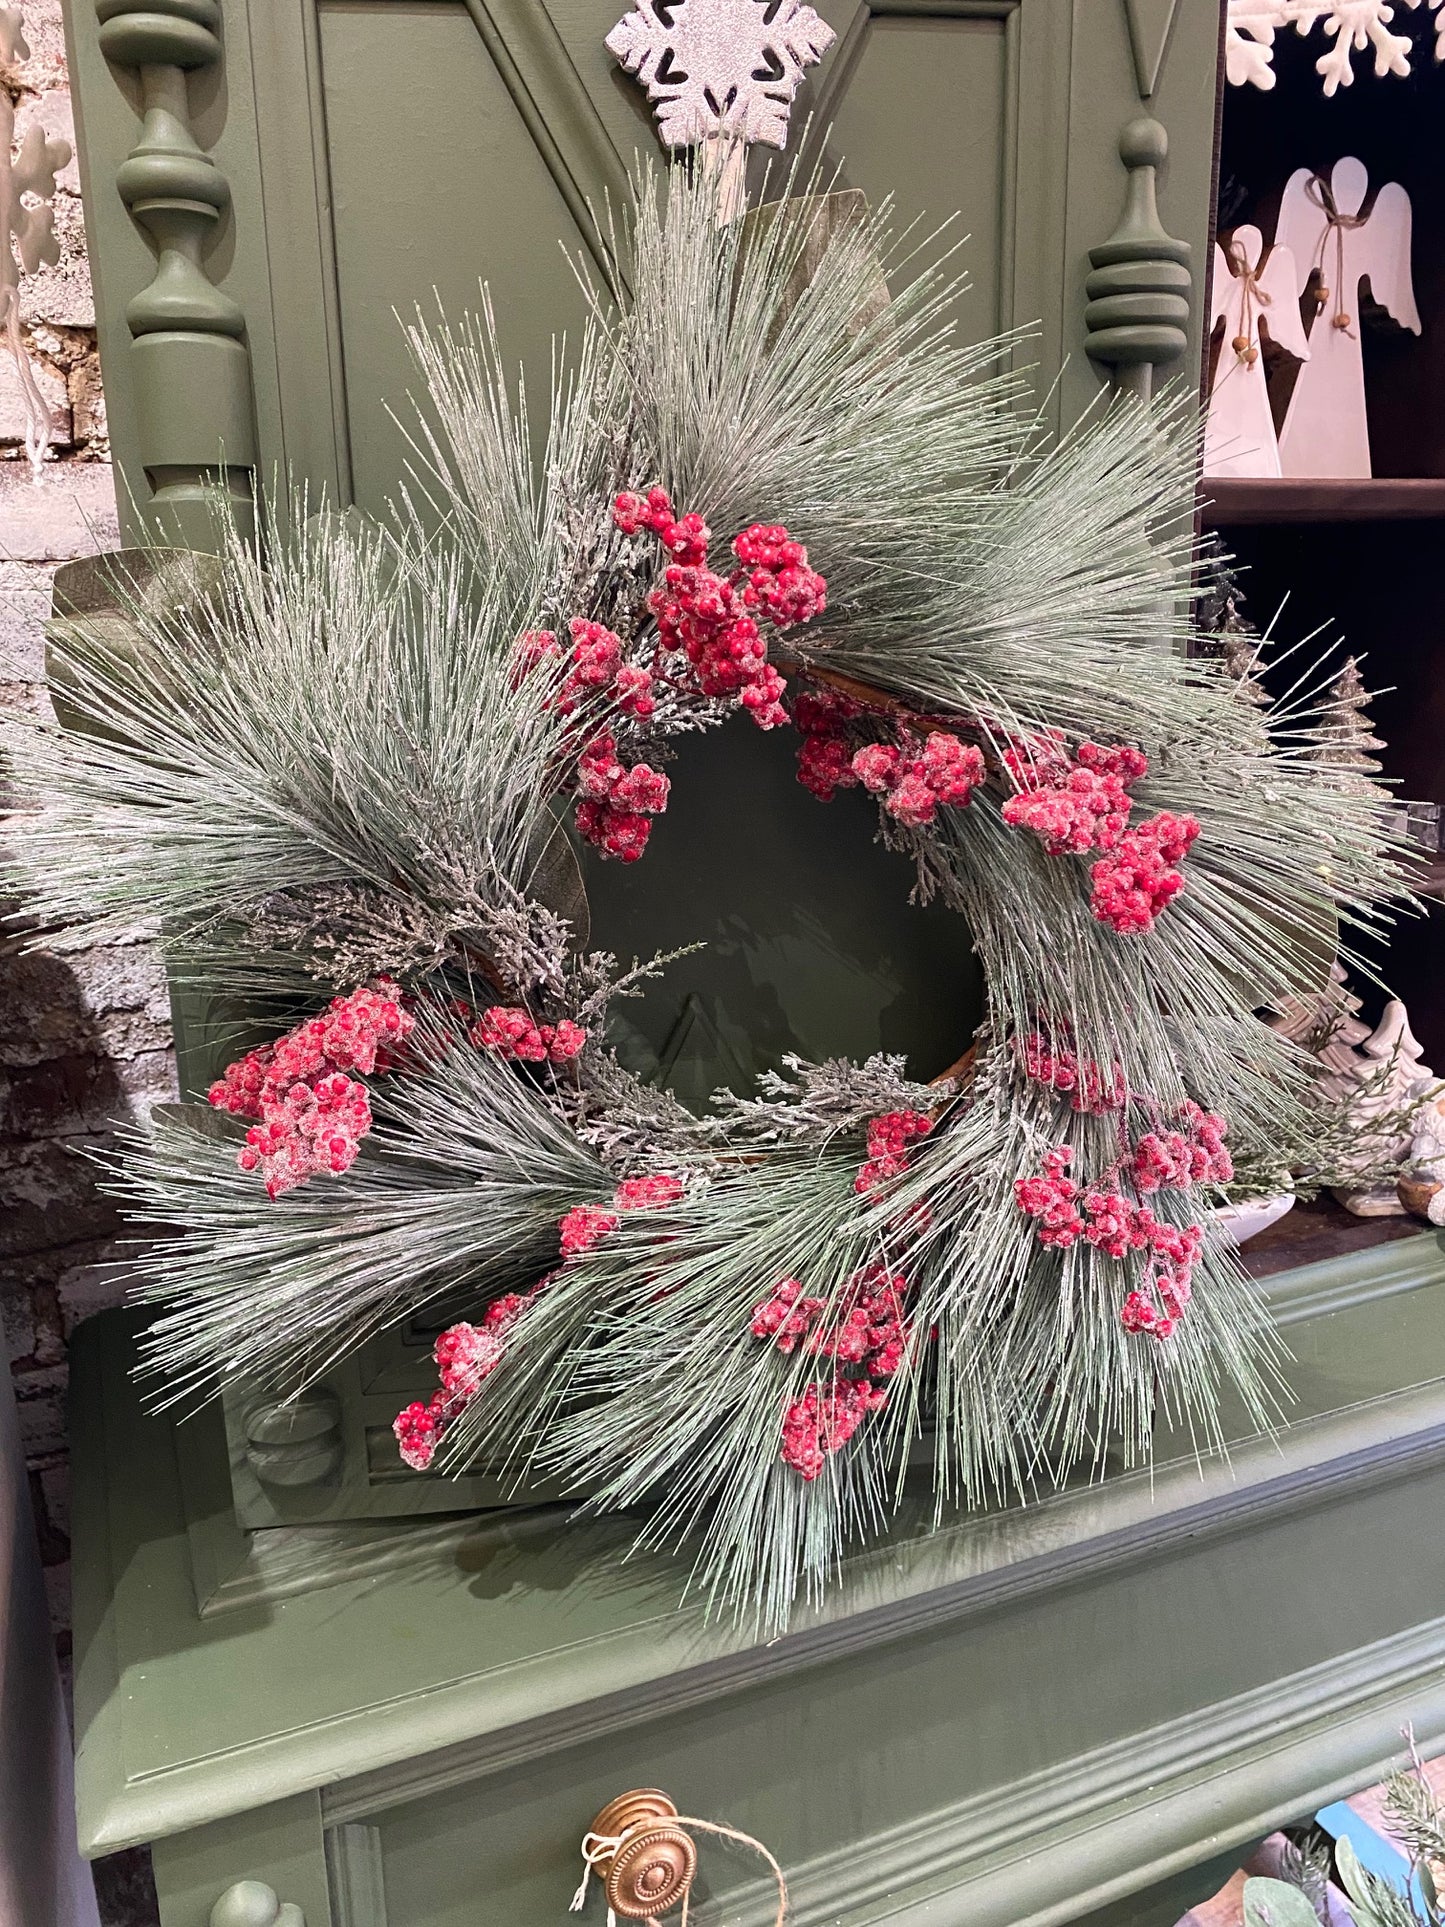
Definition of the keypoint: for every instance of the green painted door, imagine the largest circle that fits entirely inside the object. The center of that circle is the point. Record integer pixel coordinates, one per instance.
(382, 155)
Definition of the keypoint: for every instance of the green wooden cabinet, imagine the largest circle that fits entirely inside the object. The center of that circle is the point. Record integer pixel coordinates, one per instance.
(1037, 1714)
(271, 183)
(369, 155)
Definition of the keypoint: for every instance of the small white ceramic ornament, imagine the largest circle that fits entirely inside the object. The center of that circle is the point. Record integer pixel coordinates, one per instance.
(1257, 298)
(1421, 1185)
(1326, 431)
(1389, 1076)
(1243, 1221)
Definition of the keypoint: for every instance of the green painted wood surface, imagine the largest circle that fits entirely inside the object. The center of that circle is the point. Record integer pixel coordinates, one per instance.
(1148, 1671)
(382, 154)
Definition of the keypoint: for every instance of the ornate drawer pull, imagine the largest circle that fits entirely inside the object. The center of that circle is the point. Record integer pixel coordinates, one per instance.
(639, 1849)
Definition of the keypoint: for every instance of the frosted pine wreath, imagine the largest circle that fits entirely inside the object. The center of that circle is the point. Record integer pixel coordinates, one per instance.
(767, 496)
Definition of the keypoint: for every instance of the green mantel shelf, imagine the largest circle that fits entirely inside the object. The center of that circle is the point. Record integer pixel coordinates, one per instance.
(1023, 1717)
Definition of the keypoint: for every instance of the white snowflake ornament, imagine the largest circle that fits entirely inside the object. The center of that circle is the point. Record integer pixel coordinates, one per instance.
(1249, 30)
(1354, 26)
(720, 69)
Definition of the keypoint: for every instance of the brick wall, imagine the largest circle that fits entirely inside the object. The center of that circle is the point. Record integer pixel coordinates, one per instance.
(84, 1032)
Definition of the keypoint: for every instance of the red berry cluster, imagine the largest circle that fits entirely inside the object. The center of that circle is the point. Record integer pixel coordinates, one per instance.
(1138, 880)
(1086, 1084)
(531, 649)
(466, 1355)
(1105, 1218)
(824, 1419)
(1193, 1153)
(585, 1224)
(787, 1317)
(617, 802)
(1072, 804)
(871, 1335)
(310, 1116)
(713, 619)
(598, 670)
(510, 1032)
(1081, 803)
(915, 777)
(1175, 1254)
(825, 757)
(648, 1194)
(889, 1139)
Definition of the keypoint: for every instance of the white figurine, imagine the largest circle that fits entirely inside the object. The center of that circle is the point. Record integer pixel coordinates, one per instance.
(1389, 1078)
(1422, 1182)
(1255, 300)
(1325, 430)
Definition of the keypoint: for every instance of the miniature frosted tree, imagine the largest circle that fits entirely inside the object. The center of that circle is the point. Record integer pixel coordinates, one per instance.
(1390, 1084)
(1324, 1023)
(1344, 741)
(1230, 637)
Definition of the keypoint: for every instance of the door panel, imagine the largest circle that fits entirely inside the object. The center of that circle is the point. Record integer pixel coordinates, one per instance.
(921, 109)
(474, 202)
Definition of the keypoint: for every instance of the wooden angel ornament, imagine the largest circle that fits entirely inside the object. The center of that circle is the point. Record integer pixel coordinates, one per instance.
(1337, 247)
(1256, 297)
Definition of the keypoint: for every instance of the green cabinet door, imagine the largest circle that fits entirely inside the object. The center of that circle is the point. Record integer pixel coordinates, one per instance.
(343, 163)
(353, 158)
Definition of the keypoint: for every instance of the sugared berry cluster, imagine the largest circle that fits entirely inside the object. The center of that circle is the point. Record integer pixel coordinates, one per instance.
(1066, 1211)
(912, 776)
(1138, 879)
(1082, 803)
(617, 803)
(466, 1356)
(714, 620)
(1087, 1085)
(511, 1032)
(310, 1116)
(585, 1224)
(889, 1140)
(1193, 1153)
(869, 1335)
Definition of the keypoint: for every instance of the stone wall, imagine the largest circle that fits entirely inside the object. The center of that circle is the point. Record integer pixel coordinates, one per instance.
(84, 1031)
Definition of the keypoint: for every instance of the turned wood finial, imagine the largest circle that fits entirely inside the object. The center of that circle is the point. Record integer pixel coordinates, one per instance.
(1138, 310)
(251, 1903)
(192, 369)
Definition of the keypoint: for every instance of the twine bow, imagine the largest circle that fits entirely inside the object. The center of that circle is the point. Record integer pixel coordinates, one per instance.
(1317, 189)
(600, 1847)
(1254, 295)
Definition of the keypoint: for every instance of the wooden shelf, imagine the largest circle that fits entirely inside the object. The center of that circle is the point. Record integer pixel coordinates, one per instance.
(1226, 499)
(1319, 1230)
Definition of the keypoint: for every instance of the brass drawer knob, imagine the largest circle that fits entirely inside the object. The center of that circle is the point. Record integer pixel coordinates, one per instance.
(642, 1857)
(640, 1850)
(650, 1872)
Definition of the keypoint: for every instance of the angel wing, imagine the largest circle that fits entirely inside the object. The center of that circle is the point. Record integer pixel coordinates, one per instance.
(1279, 279)
(1301, 226)
(1381, 251)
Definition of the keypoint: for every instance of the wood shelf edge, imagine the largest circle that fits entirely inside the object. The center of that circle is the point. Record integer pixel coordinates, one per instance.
(1232, 499)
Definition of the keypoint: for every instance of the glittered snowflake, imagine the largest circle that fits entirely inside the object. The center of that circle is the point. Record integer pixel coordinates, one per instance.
(1353, 26)
(720, 67)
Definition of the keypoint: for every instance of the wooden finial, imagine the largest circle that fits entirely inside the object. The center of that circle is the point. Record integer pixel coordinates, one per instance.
(1139, 291)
